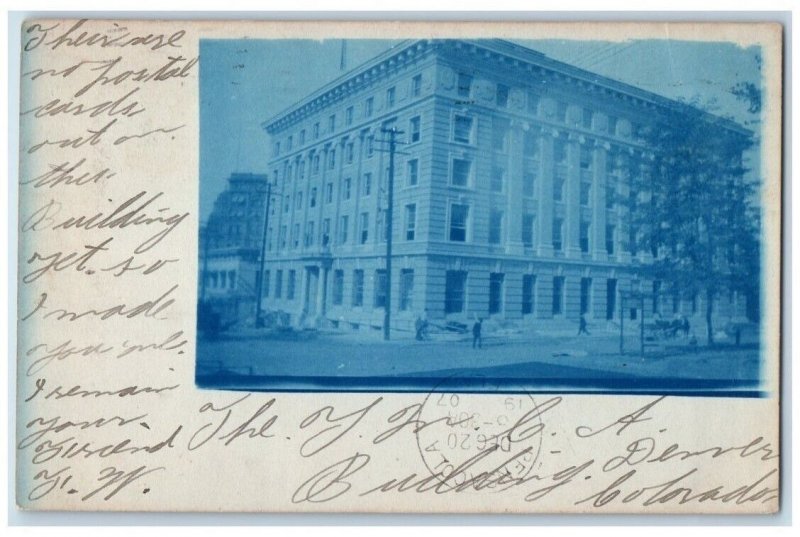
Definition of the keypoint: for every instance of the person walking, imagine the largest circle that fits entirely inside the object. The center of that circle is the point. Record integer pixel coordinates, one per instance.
(582, 326)
(477, 341)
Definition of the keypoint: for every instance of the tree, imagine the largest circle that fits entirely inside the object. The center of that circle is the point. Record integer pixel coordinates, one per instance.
(694, 209)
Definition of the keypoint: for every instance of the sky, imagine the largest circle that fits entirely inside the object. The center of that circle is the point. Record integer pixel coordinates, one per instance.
(245, 82)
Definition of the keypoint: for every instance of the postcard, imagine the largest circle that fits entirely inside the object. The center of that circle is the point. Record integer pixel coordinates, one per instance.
(399, 267)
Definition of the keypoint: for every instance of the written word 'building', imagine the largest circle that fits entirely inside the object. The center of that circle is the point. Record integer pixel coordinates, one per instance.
(505, 193)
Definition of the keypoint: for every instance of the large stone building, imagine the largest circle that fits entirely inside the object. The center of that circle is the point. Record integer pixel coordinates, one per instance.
(506, 192)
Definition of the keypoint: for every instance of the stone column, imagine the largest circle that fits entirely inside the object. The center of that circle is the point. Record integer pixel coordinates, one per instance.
(572, 203)
(514, 189)
(544, 236)
(599, 202)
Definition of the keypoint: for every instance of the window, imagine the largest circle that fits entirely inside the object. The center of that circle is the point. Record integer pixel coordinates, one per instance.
(586, 118)
(528, 223)
(315, 164)
(358, 288)
(369, 105)
(495, 227)
(529, 184)
(462, 129)
(586, 190)
(298, 201)
(499, 135)
(343, 223)
(464, 85)
(290, 284)
(496, 280)
(586, 295)
(533, 103)
(363, 228)
(309, 240)
(331, 159)
(289, 143)
(560, 152)
(312, 198)
(530, 145)
(302, 137)
(411, 221)
(416, 85)
(282, 238)
(584, 236)
(329, 193)
(338, 287)
(528, 293)
(265, 283)
(406, 289)
(379, 295)
(366, 185)
(296, 235)
(459, 216)
(558, 295)
(349, 153)
(346, 188)
(611, 298)
(558, 186)
(558, 233)
(612, 125)
(413, 172)
(276, 149)
(611, 195)
(414, 128)
(610, 239)
(502, 95)
(461, 172)
(380, 225)
(561, 112)
(498, 179)
(370, 146)
(325, 231)
(586, 158)
(390, 95)
(348, 115)
(278, 284)
(454, 287)
(316, 130)
(332, 123)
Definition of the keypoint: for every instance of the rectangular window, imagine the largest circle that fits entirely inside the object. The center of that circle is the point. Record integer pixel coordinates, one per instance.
(325, 231)
(282, 238)
(379, 295)
(290, 284)
(289, 144)
(413, 172)
(558, 186)
(611, 195)
(495, 227)
(586, 158)
(414, 129)
(528, 293)
(296, 235)
(459, 217)
(500, 134)
(586, 295)
(369, 105)
(298, 201)
(316, 130)
(558, 233)
(586, 190)
(461, 172)
(411, 221)
(366, 185)
(586, 118)
(309, 233)
(561, 111)
(612, 125)
(496, 280)
(363, 228)
(312, 198)
(560, 152)
(287, 204)
(529, 184)
(558, 295)
(348, 115)
(343, 225)
(278, 284)
(329, 193)
(533, 103)
(528, 223)
(416, 85)
(406, 289)
(464, 85)
(315, 164)
(454, 291)
(584, 236)
(390, 94)
(338, 287)
(302, 137)
(380, 225)
(530, 145)
(265, 283)
(358, 288)
(370, 146)
(332, 159)
(462, 129)
(331, 123)
(349, 153)
(346, 188)
(498, 179)
(610, 239)
(611, 298)
(502, 95)
(276, 149)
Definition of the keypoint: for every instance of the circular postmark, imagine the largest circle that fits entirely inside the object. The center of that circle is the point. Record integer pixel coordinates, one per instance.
(485, 438)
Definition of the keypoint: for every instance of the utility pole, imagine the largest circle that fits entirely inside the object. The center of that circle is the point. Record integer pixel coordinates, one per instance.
(387, 317)
(260, 275)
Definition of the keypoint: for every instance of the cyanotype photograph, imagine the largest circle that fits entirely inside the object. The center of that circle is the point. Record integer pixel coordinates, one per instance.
(489, 215)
